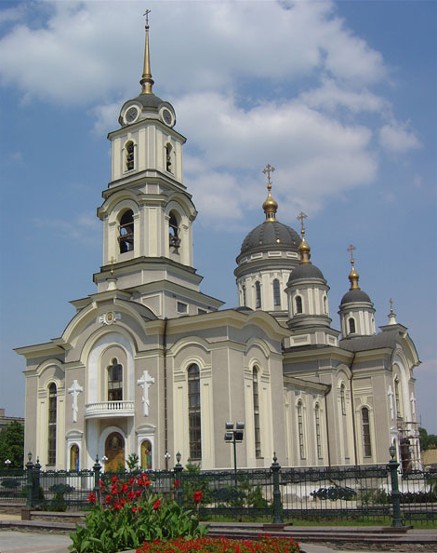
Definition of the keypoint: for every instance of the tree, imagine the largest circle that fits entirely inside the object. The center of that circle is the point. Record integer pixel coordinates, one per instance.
(427, 441)
(12, 445)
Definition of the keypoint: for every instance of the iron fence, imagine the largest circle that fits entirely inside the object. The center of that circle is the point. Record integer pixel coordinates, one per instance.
(378, 494)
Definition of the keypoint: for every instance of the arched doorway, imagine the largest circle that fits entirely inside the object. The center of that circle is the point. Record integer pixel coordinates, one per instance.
(146, 455)
(114, 451)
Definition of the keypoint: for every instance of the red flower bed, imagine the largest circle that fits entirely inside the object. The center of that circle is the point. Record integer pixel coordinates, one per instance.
(265, 544)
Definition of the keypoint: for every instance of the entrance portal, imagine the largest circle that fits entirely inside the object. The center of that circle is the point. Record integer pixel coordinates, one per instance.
(114, 451)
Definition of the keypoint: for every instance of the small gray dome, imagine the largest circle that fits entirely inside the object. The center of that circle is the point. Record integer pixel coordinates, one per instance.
(150, 101)
(271, 234)
(305, 271)
(355, 296)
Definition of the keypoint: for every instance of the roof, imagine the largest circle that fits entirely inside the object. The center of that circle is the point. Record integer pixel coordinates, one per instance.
(385, 339)
(355, 296)
(271, 234)
(305, 271)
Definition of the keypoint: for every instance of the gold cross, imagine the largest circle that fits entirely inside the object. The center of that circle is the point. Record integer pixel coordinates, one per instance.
(351, 250)
(268, 170)
(146, 13)
(301, 217)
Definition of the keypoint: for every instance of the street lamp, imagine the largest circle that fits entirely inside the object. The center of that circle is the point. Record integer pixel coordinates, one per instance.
(234, 435)
(8, 463)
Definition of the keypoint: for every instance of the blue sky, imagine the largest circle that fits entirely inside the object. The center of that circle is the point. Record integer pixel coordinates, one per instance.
(339, 97)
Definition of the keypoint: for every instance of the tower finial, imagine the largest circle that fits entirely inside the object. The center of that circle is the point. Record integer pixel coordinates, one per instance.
(146, 79)
(304, 248)
(353, 275)
(392, 315)
(270, 205)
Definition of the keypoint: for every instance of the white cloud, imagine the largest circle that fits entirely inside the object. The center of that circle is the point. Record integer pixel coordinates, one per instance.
(397, 139)
(315, 155)
(331, 96)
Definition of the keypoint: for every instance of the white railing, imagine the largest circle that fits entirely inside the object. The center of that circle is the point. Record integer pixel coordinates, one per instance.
(109, 409)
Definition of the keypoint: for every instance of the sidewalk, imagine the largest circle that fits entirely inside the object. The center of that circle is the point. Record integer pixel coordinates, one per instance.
(12, 541)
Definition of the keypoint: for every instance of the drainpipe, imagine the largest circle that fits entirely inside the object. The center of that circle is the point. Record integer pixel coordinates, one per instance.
(327, 426)
(164, 347)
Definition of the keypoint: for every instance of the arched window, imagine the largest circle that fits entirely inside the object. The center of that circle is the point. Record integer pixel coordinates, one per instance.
(365, 422)
(257, 295)
(115, 381)
(53, 412)
(351, 325)
(126, 232)
(298, 304)
(130, 156)
(256, 420)
(343, 398)
(397, 398)
(168, 158)
(318, 431)
(74, 457)
(301, 429)
(194, 415)
(276, 293)
(173, 231)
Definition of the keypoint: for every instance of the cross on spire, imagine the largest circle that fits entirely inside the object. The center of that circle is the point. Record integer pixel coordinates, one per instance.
(268, 170)
(301, 217)
(146, 14)
(351, 248)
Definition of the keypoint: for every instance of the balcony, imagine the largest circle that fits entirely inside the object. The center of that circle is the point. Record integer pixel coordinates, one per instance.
(108, 409)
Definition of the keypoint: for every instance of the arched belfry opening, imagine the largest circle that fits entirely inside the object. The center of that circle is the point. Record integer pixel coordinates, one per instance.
(173, 231)
(126, 232)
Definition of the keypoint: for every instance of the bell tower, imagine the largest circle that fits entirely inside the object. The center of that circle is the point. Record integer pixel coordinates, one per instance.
(147, 213)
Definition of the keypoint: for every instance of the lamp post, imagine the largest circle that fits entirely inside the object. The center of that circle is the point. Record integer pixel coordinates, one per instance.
(393, 466)
(166, 457)
(234, 435)
(8, 463)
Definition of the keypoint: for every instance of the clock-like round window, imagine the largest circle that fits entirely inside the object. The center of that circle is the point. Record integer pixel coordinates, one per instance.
(131, 114)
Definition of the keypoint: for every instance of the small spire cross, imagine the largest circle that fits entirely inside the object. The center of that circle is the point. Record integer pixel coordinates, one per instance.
(146, 14)
(268, 170)
(391, 303)
(301, 217)
(351, 249)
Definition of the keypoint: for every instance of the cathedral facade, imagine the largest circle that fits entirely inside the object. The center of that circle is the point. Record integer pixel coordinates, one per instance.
(151, 365)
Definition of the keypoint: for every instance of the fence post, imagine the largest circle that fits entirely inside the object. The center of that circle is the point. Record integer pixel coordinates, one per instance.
(29, 475)
(96, 468)
(178, 468)
(36, 476)
(277, 508)
(393, 466)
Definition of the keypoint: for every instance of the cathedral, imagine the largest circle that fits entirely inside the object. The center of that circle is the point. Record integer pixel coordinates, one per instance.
(151, 365)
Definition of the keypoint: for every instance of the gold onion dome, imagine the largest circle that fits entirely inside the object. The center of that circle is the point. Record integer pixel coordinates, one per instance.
(304, 248)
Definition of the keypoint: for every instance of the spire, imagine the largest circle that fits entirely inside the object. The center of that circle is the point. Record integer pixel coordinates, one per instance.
(304, 248)
(392, 315)
(270, 205)
(354, 277)
(146, 79)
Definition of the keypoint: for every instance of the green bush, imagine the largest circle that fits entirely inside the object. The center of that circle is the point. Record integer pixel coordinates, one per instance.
(130, 514)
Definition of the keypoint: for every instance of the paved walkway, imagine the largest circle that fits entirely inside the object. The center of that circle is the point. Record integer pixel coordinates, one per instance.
(12, 541)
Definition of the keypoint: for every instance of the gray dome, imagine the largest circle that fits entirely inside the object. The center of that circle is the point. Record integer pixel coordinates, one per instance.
(150, 101)
(305, 271)
(271, 234)
(355, 296)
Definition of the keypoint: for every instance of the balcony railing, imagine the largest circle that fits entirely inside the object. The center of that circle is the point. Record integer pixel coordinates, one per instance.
(104, 409)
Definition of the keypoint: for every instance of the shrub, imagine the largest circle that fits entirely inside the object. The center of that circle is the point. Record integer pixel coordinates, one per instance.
(129, 515)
